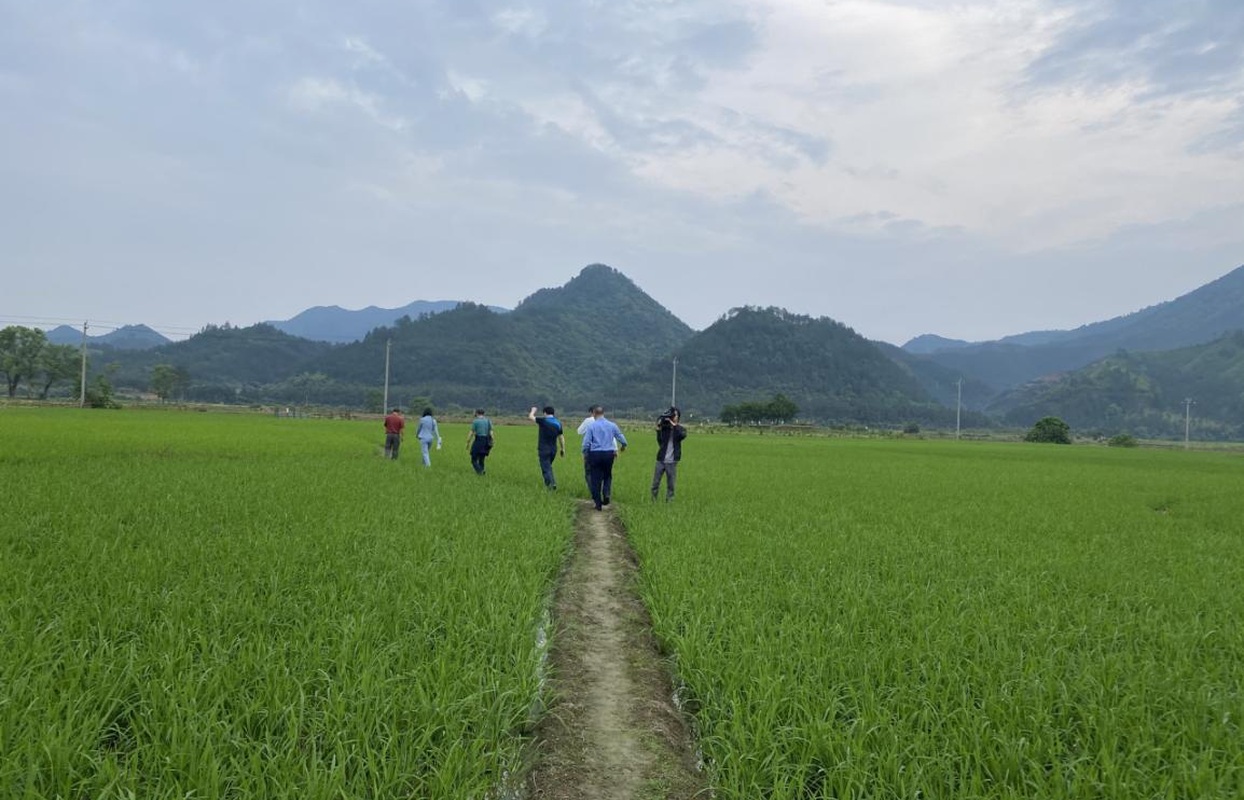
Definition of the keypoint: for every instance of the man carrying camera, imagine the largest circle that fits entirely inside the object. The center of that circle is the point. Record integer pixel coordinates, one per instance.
(670, 434)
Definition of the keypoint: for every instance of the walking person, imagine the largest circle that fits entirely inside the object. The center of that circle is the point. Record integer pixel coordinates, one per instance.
(428, 432)
(551, 443)
(582, 431)
(601, 443)
(670, 434)
(394, 432)
(479, 440)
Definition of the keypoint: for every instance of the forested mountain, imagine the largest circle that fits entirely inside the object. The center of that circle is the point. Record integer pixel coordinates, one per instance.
(1194, 318)
(931, 343)
(222, 363)
(559, 345)
(599, 326)
(1143, 393)
(127, 337)
(601, 338)
(340, 325)
(941, 382)
(828, 370)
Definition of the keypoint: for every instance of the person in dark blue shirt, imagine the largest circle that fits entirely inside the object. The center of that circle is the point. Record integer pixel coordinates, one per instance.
(551, 443)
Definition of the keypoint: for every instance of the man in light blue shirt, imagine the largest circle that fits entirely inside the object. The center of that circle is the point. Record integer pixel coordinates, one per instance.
(601, 441)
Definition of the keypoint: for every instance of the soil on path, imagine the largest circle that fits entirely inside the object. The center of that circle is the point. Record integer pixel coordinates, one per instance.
(612, 731)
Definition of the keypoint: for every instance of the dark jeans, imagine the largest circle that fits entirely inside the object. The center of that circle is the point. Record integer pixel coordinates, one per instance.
(601, 483)
(477, 460)
(546, 468)
(392, 443)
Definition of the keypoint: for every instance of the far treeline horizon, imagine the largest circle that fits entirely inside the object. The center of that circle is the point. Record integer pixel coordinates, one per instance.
(1131, 374)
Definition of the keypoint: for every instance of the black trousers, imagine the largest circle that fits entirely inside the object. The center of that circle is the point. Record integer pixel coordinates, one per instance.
(601, 482)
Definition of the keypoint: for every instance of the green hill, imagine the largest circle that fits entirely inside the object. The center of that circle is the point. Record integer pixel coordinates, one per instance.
(832, 373)
(560, 345)
(939, 381)
(1198, 317)
(220, 360)
(1143, 393)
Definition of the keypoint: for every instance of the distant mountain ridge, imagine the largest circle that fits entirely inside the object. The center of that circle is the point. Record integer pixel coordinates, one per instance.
(1200, 316)
(127, 337)
(930, 343)
(339, 325)
(1143, 393)
(600, 337)
(830, 371)
(559, 344)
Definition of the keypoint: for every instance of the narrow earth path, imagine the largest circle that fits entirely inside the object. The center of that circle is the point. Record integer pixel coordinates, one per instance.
(612, 731)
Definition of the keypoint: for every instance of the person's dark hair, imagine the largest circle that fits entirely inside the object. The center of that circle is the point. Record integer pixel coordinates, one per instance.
(598, 409)
(396, 410)
(479, 412)
(427, 412)
(549, 410)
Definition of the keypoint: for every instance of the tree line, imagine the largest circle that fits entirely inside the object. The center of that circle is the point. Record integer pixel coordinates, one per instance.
(27, 357)
(780, 409)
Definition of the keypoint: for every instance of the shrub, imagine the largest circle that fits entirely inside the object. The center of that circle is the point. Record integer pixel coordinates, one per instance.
(1122, 440)
(1051, 430)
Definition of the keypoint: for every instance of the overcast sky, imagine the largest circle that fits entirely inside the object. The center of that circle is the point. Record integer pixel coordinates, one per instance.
(973, 168)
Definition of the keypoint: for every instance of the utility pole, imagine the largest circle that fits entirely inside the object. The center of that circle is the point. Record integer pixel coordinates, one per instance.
(82, 391)
(1188, 403)
(674, 384)
(388, 343)
(958, 404)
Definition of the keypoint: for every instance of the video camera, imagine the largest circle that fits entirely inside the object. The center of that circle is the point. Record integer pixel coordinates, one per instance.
(667, 418)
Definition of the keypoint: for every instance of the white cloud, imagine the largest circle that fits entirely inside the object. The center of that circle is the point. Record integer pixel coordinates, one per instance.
(520, 21)
(928, 114)
(848, 147)
(474, 89)
(321, 95)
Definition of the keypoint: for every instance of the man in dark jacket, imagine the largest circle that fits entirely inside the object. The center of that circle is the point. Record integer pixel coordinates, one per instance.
(669, 451)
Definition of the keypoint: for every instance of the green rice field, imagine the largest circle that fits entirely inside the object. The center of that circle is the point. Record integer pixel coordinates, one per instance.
(234, 606)
(210, 605)
(872, 619)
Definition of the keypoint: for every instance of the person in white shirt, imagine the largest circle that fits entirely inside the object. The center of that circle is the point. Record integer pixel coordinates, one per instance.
(582, 431)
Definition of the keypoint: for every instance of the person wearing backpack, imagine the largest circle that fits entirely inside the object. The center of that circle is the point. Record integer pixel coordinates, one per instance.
(479, 440)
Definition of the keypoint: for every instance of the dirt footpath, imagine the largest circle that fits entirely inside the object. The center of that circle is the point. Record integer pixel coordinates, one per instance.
(612, 731)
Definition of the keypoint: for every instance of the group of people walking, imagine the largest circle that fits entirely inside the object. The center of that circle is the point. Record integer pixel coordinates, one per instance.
(602, 441)
(395, 431)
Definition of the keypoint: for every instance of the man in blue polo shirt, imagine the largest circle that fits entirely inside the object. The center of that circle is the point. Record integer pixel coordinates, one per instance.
(601, 443)
(550, 445)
